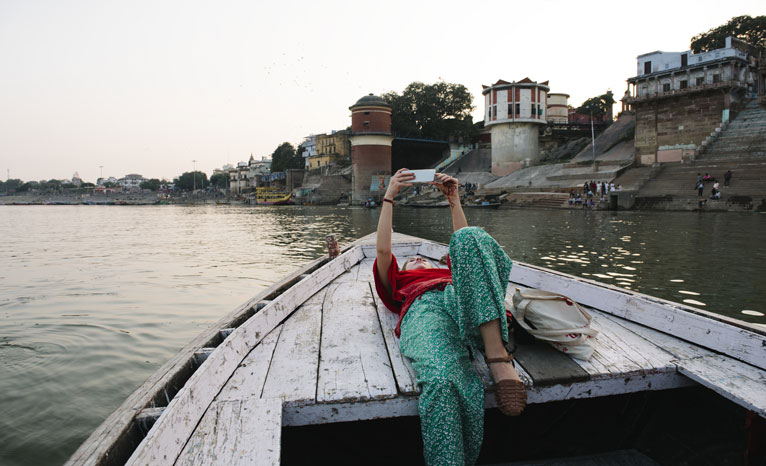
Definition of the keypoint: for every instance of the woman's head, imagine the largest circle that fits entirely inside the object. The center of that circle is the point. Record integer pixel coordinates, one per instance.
(417, 262)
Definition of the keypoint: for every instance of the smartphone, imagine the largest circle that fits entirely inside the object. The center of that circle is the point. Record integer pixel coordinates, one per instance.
(423, 176)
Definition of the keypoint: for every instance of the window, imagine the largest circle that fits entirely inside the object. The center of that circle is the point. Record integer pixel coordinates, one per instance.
(494, 111)
(518, 109)
(716, 78)
(684, 83)
(490, 112)
(510, 110)
(540, 110)
(666, 87)
(647, 67)
(532, 113)
(700, 80)
(684, 60)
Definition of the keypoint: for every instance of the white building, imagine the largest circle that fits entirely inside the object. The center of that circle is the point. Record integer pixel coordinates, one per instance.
(242, 178)
(660, 72)
(558, 108)
(309, 146)
(513, 112)
(131, 182)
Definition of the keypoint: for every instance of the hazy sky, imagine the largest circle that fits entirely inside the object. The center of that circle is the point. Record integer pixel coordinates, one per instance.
(148, 86)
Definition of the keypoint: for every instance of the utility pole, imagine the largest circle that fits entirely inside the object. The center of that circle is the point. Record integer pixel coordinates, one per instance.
(194, 176)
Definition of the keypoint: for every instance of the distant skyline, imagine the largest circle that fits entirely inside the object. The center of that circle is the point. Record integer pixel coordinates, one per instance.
(146, 87)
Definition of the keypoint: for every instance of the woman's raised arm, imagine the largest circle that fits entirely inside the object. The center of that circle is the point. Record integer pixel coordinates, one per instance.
(383, 244)
(448, 186)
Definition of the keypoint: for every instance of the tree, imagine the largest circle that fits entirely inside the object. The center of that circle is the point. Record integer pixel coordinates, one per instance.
(152, 184)
(11, 185)
(433, 111)
(219, 180)
(189, 180)
(597, 106)
(284, 157)
(746, 28)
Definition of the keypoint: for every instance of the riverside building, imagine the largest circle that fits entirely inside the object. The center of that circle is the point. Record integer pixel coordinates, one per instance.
(371, 140)
(514, 113)
(679, 98)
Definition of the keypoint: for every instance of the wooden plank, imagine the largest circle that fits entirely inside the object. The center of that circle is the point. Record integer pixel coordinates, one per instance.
(399, 249)
(719, 333)
(405, 376)
(309, 414)
(293, 371)
(248, 379)
(433, 251)
(349, 276)
(354, 363)
(619, 352)
(735, 380)
(365, 271)
(547, 366)
(171, 431)
(113, 441)
(236, 432)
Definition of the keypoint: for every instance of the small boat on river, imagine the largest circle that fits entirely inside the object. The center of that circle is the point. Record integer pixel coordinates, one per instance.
(318, 349)
(273, 196)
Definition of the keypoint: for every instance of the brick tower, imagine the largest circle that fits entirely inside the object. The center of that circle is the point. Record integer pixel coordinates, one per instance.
(370, 145)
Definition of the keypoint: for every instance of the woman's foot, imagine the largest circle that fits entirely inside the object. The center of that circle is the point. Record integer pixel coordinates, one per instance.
(502, 370)
(510, 392)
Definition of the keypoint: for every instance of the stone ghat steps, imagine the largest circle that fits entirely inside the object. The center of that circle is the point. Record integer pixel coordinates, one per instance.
(537, 200)
(745, 136)
(634, 178)
(678, 180)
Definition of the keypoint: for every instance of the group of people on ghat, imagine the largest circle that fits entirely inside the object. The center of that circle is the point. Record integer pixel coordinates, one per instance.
(447, 315)
(715, 192)
(592, 190)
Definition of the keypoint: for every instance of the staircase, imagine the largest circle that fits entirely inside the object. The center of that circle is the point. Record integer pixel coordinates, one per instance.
(536, 200)
(745, 136)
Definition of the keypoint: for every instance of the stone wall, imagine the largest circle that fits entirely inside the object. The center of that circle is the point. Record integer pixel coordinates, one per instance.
(684, 119)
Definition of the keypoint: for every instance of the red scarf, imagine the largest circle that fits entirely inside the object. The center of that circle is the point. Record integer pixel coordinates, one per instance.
(408, 285)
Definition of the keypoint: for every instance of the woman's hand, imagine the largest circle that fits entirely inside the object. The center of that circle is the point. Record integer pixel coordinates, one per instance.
(447, 185)
(398, 180)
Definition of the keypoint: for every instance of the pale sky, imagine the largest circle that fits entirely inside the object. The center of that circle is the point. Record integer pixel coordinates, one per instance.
(148, 86)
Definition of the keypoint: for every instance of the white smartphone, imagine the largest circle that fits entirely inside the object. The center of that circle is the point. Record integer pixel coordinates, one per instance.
(422, 176)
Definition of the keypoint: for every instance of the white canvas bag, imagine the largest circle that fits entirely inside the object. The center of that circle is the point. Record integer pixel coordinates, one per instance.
(556, 319)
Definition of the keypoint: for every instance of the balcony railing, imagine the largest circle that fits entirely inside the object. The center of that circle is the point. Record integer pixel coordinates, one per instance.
(688, 90)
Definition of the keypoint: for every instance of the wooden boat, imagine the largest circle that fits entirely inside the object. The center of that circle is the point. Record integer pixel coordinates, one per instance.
(272, 196)
(483, 205)
(318, 348)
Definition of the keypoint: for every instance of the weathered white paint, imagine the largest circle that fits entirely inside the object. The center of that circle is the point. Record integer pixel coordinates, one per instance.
(293, 370)
(164, 442)
(715, 332)
(735, 380)
(247, 380)
(354, 363)
(620, 352)
(403, 371)
(237, 432)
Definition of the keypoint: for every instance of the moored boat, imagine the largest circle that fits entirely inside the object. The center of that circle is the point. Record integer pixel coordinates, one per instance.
(272, 196)
(318, 348)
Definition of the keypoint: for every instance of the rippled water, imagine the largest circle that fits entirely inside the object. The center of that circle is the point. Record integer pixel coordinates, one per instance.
(93, 299)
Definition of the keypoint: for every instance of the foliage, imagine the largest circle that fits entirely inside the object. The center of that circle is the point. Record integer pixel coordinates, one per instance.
(189, 180)
(433, 111)
(597, 106)
(219, 180)
(109, 184)
(284, 157)
(87, 185)
(152, 184)
(746, 28)
(12, 184)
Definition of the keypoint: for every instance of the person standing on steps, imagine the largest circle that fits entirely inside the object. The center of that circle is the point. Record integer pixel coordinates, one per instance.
(727, 178)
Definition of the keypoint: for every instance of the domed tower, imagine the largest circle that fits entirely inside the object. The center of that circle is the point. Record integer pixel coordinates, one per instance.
(513, 113)
(370, 145)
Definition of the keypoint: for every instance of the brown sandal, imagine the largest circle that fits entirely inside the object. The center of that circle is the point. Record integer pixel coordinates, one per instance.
(510, 395)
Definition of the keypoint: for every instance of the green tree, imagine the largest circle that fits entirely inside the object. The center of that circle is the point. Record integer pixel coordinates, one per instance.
(597, 106)
(11, 185)
(189, 180)
(746, 28)
(284, 157)
(219, 180)
(152, 184)
(434, 111)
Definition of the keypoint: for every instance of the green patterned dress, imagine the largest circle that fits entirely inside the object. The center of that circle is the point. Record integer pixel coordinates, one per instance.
(436, 334)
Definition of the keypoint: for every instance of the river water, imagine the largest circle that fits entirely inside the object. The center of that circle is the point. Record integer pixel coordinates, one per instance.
(93, 299)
